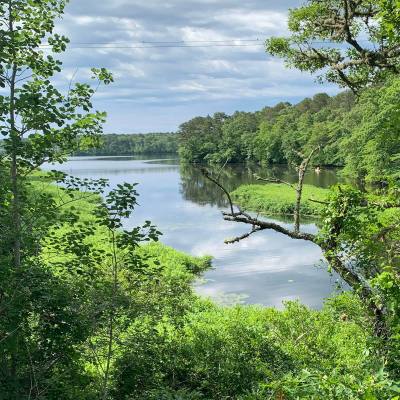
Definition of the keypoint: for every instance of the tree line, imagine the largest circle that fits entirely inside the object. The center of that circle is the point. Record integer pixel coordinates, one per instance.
(127, 145)
(355, 133)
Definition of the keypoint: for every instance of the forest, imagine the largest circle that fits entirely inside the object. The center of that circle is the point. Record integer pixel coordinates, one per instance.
(93, 307)
(133, 144)
(274, 135)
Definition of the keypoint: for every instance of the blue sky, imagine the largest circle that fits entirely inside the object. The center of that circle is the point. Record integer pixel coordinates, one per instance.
(157, 89)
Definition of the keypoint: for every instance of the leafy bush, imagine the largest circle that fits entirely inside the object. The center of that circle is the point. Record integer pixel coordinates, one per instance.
(226, 353)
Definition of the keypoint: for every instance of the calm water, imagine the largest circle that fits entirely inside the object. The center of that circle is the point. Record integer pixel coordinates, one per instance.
(267, 268)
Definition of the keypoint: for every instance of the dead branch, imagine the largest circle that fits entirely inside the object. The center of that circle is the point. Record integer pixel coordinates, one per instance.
(328, 246)
(216, 182)
(242, 237)
(325, 203)
(274, 180)
(266, 225)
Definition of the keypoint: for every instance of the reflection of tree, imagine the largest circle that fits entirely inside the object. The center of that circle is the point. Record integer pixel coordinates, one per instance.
(195, 187)
(325, 179)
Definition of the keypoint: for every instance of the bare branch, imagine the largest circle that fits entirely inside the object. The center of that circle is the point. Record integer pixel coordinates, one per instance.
(266, 225)
(207, 175)
(274, 180)
(222, 168)
(302, 169)
(318, 201)
(242, 237)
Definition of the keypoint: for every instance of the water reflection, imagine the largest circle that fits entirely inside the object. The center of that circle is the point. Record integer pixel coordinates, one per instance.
(264, 269)
(195, 187)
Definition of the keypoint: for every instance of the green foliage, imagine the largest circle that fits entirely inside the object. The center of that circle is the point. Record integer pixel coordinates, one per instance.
(200, 137)
(270, 199)
(363, 231)
(235, 353)
(390, 19)
(388, 283)
(129, 145)
(372, 150)
(356, 221)
(237, 136)
(329, 37)
(314, 385)
(272, 135)
(170, 394)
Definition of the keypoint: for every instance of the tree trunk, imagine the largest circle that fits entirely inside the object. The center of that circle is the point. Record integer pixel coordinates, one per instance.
(15, 142)
(111, 334)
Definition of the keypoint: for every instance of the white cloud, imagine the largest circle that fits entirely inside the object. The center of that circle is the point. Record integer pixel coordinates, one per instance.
(124, 69)
(262, 22)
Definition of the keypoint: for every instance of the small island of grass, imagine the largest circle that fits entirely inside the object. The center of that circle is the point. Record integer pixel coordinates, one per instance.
(279, 199)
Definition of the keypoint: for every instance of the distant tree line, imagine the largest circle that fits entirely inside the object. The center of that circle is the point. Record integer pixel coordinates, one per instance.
(127, 145)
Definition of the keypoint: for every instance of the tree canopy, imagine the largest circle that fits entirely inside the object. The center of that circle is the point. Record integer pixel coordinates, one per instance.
(353, 43)
(134, 144)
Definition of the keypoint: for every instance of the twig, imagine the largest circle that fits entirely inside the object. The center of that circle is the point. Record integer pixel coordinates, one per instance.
(209, 177)
(244, 236)
(273, 180)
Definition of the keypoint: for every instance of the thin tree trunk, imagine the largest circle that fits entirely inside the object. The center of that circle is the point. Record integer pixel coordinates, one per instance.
(109, 355)
(15, 139)
(15, 201)
(299, 189)
(111, 322)
(16, 216)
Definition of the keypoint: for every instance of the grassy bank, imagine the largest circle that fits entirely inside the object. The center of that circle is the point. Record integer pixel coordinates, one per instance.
(279, 199)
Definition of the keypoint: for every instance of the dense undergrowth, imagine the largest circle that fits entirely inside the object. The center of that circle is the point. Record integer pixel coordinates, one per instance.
(249, 352)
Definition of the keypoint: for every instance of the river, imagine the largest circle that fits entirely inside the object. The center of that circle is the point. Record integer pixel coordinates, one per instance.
(267, 268)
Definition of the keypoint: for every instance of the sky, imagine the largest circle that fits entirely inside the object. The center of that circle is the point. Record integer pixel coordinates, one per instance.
(158, 88)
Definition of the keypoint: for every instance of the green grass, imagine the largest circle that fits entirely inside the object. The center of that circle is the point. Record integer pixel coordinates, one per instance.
(279, 199)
